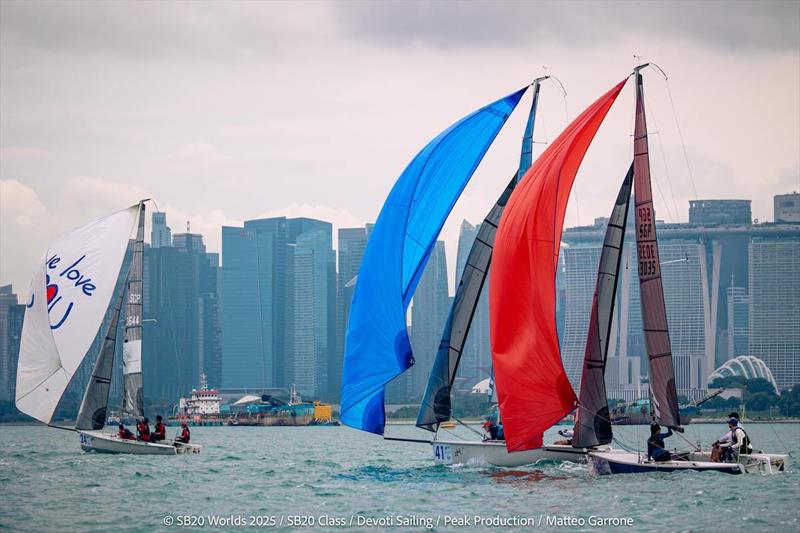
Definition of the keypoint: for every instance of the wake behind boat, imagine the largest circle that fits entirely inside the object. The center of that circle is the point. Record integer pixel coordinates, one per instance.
(66, 309)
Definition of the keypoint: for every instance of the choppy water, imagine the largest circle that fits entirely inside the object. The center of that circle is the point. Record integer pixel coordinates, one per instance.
(335, 473)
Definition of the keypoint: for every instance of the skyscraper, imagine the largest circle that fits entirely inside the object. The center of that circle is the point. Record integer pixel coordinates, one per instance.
(738, 321)
(352, 244)
(279, 304)
(11, 315)
(720, 212)
(429, 311)
(774, 310)
(253, 303)
(181, 336)
(160, 235)
(313, 274)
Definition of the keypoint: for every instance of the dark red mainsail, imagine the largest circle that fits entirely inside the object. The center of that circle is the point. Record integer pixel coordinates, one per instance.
(533, 389)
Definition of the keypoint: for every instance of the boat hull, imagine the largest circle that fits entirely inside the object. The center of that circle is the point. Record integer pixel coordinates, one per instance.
(619, 462)
(99, 442)
(495, 453)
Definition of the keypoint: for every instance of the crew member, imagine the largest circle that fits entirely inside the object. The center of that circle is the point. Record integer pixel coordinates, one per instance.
(655, 444)
(739, 442)
(185, 434)
(143, 429)
(160, 431)
(125, 433)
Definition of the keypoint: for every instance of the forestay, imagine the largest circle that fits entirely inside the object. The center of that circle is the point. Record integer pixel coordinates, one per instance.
(377, 346)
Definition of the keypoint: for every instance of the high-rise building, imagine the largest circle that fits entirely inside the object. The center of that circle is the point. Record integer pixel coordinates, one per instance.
(774, 289)
(352, 244)
(738, 333)
(254, 303)
(787, 207)
(313, 273)
(189, 241)
(430, 307)
(720, 212)
(11, 315)
(181, 319)
(160, 235)
(279, 305)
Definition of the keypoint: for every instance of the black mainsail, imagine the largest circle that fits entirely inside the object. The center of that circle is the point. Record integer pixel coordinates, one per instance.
(92, 414)
(592, 423)
(436, 405)
(133, 400)
(651, 291)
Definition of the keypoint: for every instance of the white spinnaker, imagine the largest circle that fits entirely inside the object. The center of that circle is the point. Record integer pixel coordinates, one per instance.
(78, 273)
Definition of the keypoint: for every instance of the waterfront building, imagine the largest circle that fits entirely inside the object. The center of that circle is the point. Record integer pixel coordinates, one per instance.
(181, 318)
(787, 207)
(476, 359)
(311, 298)
(720, 212)
(738, 332)
(11, 315)
(160, 234)
(431, 305)
(253, 303)
(774, 289)
(352, 244)
(269, 266)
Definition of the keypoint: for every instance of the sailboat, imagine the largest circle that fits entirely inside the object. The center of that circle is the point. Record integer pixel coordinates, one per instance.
(436, 409)
(593, 421)
(70, 296)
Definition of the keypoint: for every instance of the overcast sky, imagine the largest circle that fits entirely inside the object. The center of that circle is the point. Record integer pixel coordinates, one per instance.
(229, 111)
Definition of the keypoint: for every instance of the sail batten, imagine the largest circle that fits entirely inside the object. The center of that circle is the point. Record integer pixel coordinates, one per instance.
(533, 389)
(592, 423)
(377, 348)
(651, 290)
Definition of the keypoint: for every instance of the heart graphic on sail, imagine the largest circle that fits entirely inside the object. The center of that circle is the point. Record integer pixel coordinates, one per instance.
(52, 290)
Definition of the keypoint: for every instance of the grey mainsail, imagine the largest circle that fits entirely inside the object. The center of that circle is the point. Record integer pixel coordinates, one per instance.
(651, 290)
(436, 404)
(592, 424)
(133, 400)
(92, 414)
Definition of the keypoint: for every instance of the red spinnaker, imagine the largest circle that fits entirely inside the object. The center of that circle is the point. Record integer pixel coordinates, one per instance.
(532, 387)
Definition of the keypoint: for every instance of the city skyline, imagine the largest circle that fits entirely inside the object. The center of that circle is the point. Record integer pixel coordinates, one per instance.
(273, 99)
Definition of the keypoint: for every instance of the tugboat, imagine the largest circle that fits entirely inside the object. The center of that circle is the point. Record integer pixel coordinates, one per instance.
(271, 411)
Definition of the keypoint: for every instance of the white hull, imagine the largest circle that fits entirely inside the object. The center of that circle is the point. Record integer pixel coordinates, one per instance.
(495, 453)
(620, 462)
(97, 441)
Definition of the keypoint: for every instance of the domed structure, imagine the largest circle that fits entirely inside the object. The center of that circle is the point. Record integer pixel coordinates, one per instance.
(746, 366)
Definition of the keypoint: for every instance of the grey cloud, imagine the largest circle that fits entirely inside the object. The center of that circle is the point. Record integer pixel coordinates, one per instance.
(729, 26)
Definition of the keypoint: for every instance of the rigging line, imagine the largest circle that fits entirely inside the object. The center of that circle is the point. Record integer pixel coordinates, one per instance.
(680, 136)
(663, 158)
(468, 427)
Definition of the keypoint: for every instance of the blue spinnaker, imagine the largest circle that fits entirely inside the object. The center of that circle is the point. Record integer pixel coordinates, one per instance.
(377, 348)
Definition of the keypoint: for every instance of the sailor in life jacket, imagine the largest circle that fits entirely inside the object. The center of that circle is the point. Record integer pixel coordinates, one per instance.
(160, 432)
(125, 433)
(739, 441)
(143, 428)
(185, 434)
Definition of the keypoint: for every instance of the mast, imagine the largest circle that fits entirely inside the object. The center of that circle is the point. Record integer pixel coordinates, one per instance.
(592, 424)
(436, 406)
(133, 399)
(651, 291)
